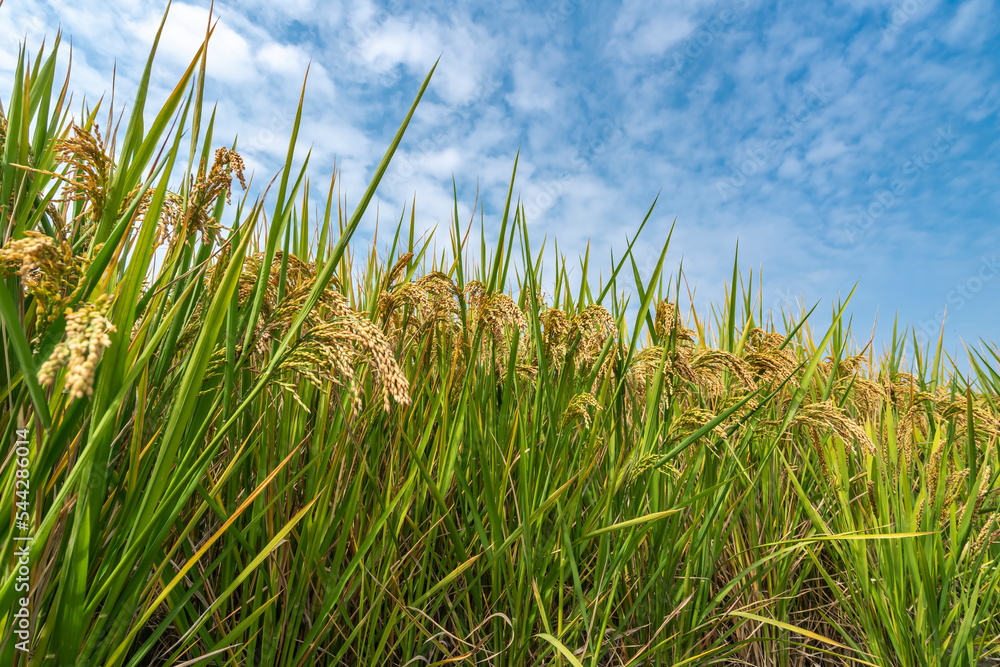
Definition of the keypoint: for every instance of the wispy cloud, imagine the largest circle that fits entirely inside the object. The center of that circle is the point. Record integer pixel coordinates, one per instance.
(810, 133)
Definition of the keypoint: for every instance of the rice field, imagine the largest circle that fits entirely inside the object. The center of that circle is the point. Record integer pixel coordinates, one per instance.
(236, 435)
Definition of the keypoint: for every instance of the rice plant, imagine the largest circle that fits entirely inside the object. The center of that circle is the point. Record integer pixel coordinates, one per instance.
(248, 440)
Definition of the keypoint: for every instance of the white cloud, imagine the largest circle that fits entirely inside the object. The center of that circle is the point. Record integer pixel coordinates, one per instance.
(970, 25)
(229, 55)
(536, 84)
(283, 59)
(510, 79)
(642, 30)
(791, 167)
(382, 41)
(826, 149)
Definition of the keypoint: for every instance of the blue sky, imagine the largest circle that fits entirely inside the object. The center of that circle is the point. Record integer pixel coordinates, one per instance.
(837, 142)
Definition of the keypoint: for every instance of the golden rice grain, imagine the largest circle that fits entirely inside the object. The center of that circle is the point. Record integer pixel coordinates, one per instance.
(87, 331)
